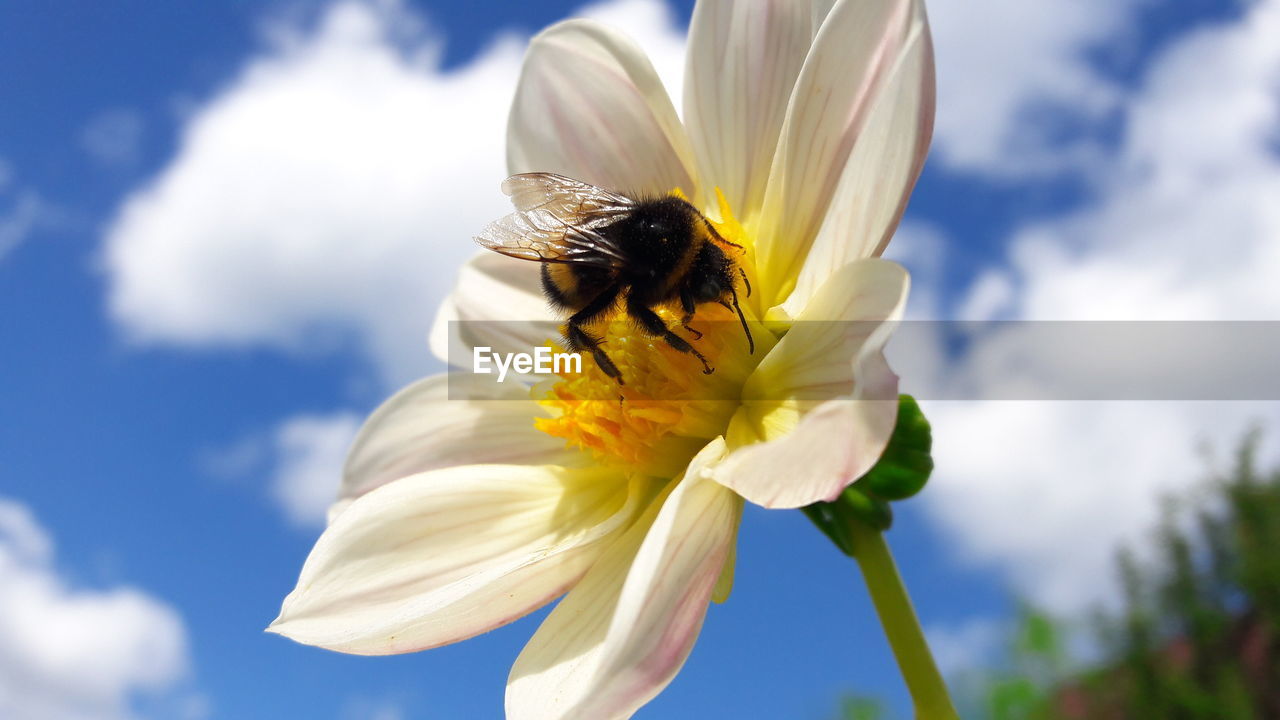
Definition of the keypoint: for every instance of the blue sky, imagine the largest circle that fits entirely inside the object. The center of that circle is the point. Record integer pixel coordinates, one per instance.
(178, 379)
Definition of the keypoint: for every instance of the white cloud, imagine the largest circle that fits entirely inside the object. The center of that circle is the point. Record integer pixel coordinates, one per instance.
(17, 221)
(1049, 491)
(368, 709)
(113, 137)
(989, 298)
(301, 458)
(1184, 228)
(235, 461)
(332, 187)
(1188, 221)
(1006, 67)
(71, 653)
(334, 184)
(921, 249)
(23, 210)
(310, 451)
(968, 646)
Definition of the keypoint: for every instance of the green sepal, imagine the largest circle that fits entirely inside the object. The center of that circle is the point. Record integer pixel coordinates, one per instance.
(901, 472)
(871, 511)
(823, 515)
(907, 462)
(835, 519)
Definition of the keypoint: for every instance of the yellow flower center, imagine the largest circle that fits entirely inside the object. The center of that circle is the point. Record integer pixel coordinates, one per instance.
(668, 407)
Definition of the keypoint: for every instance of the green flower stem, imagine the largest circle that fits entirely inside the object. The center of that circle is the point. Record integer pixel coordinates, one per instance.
(924, 682)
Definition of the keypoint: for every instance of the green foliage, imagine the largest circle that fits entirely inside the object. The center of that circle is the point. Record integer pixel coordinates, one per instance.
(857, 707)
(1196, 637)
(1024, 691)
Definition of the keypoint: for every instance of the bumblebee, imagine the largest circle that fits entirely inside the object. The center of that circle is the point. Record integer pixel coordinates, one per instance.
(601, 250)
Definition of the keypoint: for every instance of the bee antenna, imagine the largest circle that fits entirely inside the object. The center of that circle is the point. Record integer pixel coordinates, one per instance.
(751, 343)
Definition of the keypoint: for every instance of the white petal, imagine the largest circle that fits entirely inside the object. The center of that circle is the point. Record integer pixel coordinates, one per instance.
(422, 428)
(442, 556)
(589, 105)
(818, 12)
(832, 446)
(851, 316)
(856, 47)
(622, 634)
(829, 383)
(497, 303)
(742, 62)
(882, 170)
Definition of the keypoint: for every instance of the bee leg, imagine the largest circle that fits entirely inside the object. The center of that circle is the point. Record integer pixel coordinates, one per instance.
(737, 308)
(687, 304)
(684, 323)
(717, 236)
(579, 340)
(653, 324)
(745, 282)
(751, 342)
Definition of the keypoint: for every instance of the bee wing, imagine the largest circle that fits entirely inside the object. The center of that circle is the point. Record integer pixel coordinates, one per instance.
(557, 219)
